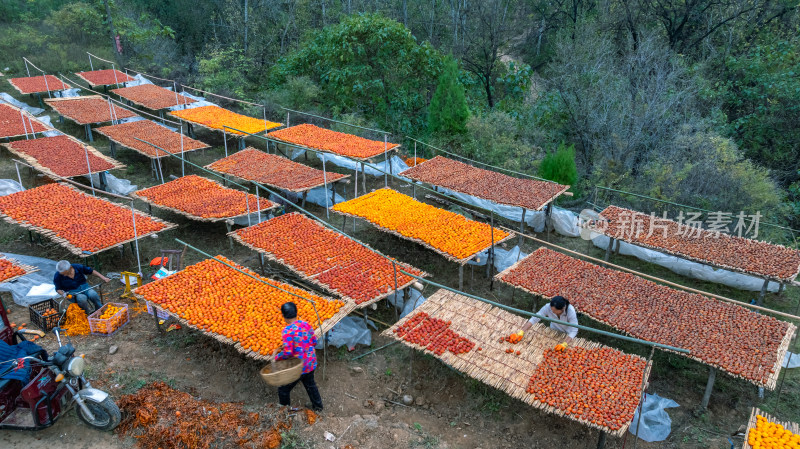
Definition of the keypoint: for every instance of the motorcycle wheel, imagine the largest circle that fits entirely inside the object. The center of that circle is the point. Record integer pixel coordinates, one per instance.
(106, 414)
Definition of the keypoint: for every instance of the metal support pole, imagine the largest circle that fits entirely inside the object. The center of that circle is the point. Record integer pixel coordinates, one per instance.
(763, 292)
(522, 227)
(461, 277)
(386, 161)
(601, 442)
(136, 240)
(325, 181)
(225, 138)
(363, 179)
(712, 376)
(89, 167)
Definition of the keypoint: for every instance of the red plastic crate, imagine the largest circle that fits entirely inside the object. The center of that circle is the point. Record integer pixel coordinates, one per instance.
(109, 326)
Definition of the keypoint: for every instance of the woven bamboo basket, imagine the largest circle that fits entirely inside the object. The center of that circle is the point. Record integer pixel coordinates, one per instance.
(282, 372)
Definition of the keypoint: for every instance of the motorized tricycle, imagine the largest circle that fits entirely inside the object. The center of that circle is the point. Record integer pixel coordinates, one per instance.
(37, 390)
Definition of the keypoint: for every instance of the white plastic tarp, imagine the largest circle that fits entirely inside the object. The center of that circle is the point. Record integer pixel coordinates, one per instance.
(415, 299)
(655, 424)
(372, 169)
(322, 196)
(33, 287)
(349, 332)
(199, 101)
(9, 186)
(4, 97)
(791, 360)
(138, 80)
(46, 120)
(688, 268)
(115, 185)
(67, 93)
(502, 258)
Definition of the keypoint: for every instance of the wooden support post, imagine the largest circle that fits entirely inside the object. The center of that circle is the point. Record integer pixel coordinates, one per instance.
(113, 149)
(608, 248)
(333, 194)
(616, 247)
(229, 225)
(261, 258)
(344, 222)
(155, 318)
(601, 442)
(103, 181)
(780, 288)
(461, 277)
(763, 292)
(303, 204)
(190, 128)
(712, 376)
(89, 136)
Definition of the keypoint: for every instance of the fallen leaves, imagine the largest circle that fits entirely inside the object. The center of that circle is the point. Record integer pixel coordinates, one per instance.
(503, 189)
(444, 231)
(326, 258)
(323, 139)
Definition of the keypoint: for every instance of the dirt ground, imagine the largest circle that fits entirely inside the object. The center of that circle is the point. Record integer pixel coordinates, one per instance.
(360, 396)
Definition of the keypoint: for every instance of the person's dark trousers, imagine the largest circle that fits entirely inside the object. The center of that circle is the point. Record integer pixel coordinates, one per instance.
(311, 389)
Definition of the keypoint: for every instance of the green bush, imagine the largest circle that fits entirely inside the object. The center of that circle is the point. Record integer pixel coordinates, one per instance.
(559, 166)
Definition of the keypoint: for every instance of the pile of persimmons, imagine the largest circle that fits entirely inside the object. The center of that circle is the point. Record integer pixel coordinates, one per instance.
(63, 155)
(342, 144)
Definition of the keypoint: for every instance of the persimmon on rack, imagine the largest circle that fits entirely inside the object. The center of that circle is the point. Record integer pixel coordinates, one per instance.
(37, 84)
(92, 225)
(153, 97)
(215, 117)
(203, 199)
(125, 135)
(452, 235)
(15, 123)
(62, 156)
(89, 110)
(718, 249)
(326, 258)
(329, 141)
(490, 185)
(105, 77)
(9, 270)
(740, 341)
(238, 308)
(273, 170)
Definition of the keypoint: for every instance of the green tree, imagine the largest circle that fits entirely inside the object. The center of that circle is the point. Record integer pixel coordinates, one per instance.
(370, 64)
(448, 112)
(559, 166)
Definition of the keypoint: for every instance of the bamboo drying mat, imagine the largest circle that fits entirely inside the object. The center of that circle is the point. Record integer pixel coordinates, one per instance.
(74, 249)
(771, 382)
(751, 424)
(485, 325)
(28, 269)
(115, 165)
(223, 131)
(52, 101)
(94, 86)
(313, 279)
(428, 245)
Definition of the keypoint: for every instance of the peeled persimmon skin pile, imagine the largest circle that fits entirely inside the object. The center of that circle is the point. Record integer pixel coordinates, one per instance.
(75, 321)
(323, 139)
(274, 170)
(740, 341)
(105, 77)
(37, 84)
(719, 249)
(216, 117)
(64, 156)
(152, 96)
(89, 110)
(601, 386)
(12, 124)
(86, 222)
(446, 231)
(487, 184)
(203, 198)
(9, 269)
(126, 134)
(216, 298)
(337, 262)
(770, 435)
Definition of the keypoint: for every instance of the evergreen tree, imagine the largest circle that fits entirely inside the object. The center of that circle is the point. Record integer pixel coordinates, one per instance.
(559, 166)
(448, 112)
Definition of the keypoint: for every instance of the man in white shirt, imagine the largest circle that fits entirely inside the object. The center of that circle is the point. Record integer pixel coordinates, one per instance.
(558, 309)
